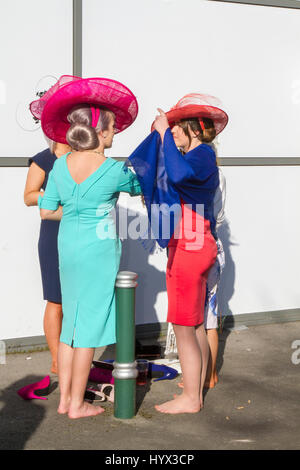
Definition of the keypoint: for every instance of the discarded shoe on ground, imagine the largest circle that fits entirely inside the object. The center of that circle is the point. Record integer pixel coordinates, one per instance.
(102, 372)
(100, 392)
(99, 374)
(161, 372)
(37, 390)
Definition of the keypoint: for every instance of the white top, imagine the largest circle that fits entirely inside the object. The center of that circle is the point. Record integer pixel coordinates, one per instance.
(219, 200)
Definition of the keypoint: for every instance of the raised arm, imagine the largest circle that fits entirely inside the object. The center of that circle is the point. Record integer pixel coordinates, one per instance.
(177, 168)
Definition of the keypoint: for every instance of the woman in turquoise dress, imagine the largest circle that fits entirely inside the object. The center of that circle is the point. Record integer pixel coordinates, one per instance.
(87, 185)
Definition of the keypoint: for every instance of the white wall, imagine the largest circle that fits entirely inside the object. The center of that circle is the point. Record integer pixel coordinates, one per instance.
(260, 239)
(36, 48)
(246, 55)
(22, 305)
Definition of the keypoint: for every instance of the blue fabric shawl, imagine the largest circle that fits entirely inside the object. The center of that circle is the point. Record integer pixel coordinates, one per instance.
(167, 177)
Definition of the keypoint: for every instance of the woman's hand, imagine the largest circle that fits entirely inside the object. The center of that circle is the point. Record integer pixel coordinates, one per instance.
(161, 123)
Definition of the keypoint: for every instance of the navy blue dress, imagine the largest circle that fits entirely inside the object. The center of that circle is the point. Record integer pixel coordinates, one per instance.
(47, 246)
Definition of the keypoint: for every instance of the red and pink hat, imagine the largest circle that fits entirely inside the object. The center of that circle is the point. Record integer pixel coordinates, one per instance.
(54, 106)
(199, 106)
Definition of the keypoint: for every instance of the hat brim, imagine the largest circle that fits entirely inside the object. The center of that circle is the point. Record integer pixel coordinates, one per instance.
(101, 92)
(217, 115)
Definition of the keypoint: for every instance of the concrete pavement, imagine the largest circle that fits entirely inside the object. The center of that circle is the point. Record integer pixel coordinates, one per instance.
(255, 405)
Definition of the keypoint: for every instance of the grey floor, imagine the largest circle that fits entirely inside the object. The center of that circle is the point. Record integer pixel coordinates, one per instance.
(254, 406)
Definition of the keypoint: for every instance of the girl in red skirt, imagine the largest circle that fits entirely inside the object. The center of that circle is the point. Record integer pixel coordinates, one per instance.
(190, 126)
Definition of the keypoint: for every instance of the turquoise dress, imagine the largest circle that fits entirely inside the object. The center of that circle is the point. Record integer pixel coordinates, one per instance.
(89, 248)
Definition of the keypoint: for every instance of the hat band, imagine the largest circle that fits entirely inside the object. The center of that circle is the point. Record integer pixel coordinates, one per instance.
(202, 124)
(95, 116)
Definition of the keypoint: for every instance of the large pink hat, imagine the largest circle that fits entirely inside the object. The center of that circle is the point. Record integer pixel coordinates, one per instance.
(54, 106)
(200, 106)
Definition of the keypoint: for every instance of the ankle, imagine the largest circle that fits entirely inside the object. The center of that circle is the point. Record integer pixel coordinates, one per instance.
(76, 404)
(194, 396)
(65, 398)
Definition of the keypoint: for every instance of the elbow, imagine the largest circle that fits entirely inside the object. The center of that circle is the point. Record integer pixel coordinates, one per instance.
(27, 200)
(30, 198)
(43, 214)
(179, 177)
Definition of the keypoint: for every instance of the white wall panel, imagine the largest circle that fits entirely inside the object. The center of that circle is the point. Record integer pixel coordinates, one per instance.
(260, 239)
(36, 47)
(246, 55)
(22, 304)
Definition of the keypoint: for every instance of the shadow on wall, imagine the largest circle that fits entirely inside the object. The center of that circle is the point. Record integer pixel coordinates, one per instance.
(17, 423)
(151, 282)
(226, 287)
(225, 291)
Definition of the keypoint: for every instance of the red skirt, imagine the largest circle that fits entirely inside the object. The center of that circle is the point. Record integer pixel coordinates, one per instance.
(188, 265)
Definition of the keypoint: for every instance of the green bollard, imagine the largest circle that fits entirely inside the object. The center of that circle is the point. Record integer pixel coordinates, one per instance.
(125, 371)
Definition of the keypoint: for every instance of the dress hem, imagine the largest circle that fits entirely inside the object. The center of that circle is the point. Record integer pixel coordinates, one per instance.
(69, 343)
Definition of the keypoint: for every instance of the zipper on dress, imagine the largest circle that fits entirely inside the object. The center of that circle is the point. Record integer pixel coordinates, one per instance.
(74, 328)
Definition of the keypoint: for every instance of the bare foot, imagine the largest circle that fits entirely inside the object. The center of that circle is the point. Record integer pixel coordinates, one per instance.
(63, 407)
(84, 411)
(201, 400)
(181, 404)
(210, 384)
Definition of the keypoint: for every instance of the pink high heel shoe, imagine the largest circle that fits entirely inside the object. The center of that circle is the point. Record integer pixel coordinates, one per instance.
(28, 392)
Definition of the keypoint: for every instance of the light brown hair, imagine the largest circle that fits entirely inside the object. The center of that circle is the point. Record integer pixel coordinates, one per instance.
(205, 135)
(81, 135)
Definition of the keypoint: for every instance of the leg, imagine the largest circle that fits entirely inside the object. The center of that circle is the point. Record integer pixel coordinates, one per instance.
(65, 361)
(190, 360)
(213, 340)
(82, 361)
(205, 354)
(204, 348)
(52, 328)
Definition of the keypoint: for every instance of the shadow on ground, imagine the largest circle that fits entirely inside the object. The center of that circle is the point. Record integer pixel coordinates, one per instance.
(19, 423)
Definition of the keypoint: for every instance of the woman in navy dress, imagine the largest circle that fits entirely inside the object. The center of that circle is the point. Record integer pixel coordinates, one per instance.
(39, 168)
